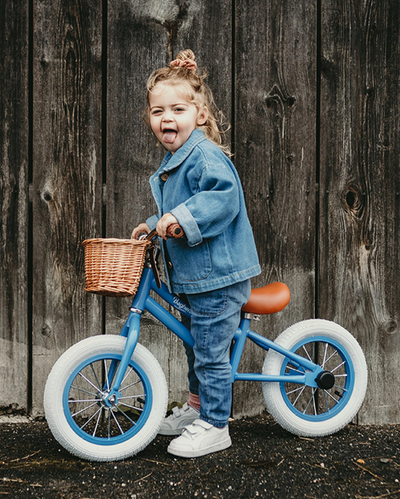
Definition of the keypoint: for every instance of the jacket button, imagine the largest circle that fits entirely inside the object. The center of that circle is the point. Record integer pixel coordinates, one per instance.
(170, 266)
(164, 177)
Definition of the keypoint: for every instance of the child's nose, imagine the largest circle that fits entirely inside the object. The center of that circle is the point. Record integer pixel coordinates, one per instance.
(167, 116)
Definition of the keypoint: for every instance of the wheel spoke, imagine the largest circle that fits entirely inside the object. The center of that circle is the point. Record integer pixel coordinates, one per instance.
(82, 390)
(331, 356)
(300, 388)
(332, 397)
(116, 421)
(299, 395)
(126, 375)
(326, 401)
(100, 412)
(129, 386)
(84, 409)
(90, 383)
(126, 416)
(131, 407)
(294, 369)
(76, 401)
(133, 397)
(95, 375)
(106, 374)
(324, 359)
(93, 415)
(337, 367)
(315, 395)
(309, 402)
(307, 354)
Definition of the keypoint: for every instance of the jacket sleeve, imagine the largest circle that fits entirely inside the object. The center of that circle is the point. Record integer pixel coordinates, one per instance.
(215, 203)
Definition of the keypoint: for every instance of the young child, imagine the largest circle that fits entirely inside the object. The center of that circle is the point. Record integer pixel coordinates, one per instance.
(210, 268)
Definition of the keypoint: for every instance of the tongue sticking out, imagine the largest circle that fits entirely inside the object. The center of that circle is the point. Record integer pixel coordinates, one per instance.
(169, 136)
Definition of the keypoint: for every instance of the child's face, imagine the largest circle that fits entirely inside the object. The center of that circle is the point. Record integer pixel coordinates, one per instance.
(172, 117)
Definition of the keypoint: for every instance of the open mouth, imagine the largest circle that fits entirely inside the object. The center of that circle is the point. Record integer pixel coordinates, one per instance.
(169, 135)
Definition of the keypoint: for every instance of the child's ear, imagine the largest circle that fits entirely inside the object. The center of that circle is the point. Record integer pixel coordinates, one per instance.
(202, 117)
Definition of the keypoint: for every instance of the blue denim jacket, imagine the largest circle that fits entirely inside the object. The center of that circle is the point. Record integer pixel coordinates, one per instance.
(200, 186)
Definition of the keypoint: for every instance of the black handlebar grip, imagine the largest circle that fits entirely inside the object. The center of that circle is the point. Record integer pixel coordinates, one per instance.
(175, 231)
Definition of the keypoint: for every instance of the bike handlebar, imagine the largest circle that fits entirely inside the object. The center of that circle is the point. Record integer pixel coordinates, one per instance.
(174, 231)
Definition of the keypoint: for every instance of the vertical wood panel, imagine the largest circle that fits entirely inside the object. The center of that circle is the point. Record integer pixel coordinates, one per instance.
(141, 38)
(137, 44)
(211, 41)
(14, 204)
(360, 185)
(275, 144)
(67, 176)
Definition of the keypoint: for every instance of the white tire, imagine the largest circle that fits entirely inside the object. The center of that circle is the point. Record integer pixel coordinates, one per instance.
(74, 400)
(316, 411)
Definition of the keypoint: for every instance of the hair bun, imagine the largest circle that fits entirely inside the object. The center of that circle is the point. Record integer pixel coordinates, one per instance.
(185, 59)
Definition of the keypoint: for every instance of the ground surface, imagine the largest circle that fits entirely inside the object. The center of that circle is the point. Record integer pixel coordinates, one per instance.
(264, 461)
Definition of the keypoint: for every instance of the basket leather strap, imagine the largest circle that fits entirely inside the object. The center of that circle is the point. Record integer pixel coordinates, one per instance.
(153, 264)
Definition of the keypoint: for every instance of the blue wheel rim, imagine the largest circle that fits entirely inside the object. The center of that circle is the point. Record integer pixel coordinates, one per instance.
(340, 392)
(136, 427)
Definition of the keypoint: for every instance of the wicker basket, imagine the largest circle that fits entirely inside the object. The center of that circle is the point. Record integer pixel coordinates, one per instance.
(113, 267)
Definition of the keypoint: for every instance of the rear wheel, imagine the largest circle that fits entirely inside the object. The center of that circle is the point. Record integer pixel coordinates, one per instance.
(339, 391)
(75, 400)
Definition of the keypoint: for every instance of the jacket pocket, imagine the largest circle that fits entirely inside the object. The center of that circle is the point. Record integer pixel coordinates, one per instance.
(189, 264)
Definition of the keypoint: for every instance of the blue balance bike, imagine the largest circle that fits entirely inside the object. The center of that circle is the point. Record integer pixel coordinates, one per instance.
(106, 396)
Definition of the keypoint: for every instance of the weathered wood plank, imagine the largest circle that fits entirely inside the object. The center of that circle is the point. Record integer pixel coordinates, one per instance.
(141, 38)
(360, 188)
(14, 138)
(136, 45)
(275, 146)
(67, 176)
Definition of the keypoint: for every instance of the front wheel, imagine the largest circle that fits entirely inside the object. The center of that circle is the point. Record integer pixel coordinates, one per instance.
(328, 406)
(75, 400)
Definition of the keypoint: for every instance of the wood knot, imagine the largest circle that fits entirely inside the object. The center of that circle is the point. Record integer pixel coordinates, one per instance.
(46, 330)
(388, 327)
(279, 100)
(354, 201)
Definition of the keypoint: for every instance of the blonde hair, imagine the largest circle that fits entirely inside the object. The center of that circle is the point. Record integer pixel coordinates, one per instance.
(183, 71)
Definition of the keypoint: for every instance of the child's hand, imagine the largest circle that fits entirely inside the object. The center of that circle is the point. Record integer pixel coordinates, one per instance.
(164, 222)
(139, 230)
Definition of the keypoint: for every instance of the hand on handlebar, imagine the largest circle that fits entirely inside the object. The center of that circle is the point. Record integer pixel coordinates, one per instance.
(173, 230)
(140, 230)
(164, 223)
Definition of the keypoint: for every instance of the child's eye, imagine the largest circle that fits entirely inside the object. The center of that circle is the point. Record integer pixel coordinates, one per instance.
(179, 109)
(155, 112)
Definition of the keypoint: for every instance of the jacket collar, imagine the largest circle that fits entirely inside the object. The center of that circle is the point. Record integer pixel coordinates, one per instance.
(172, 161)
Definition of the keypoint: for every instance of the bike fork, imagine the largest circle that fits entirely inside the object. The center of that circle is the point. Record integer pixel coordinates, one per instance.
(131, 332)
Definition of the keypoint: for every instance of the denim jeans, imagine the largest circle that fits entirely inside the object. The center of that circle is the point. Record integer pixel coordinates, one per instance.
(215, 317)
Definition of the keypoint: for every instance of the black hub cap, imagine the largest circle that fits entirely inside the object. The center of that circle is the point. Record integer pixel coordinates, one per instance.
(325, 380)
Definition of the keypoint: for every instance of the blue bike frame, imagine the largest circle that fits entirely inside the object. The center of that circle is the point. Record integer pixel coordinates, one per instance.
(143, 301)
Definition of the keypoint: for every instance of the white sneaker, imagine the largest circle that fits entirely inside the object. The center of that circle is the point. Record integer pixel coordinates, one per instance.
(178, 420)
(199, 439)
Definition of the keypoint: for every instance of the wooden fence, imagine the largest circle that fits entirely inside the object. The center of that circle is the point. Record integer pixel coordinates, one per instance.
(312, 89)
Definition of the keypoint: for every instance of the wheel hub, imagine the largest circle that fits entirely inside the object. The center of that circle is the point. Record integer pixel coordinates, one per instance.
(108, 402)
(325, 380)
